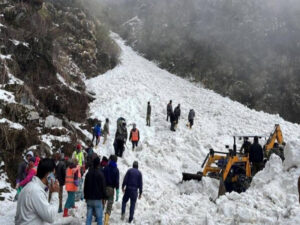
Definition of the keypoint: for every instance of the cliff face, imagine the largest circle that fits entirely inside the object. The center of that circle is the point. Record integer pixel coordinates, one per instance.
(47, 49)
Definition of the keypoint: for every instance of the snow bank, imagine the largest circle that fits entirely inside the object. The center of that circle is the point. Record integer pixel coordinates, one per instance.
(7, 96)
(11, 124)
(52, 121)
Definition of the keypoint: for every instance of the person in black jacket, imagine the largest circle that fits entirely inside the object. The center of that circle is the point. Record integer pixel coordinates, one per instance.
(94, 192)
(246, 146)
(177, 113)
(169, 109)
(256, 156)
(173, 121)
(111, 174)
(133, 181)
(60, 174)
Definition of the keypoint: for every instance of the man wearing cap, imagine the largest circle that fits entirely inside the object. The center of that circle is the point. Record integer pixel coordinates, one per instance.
(133, 181)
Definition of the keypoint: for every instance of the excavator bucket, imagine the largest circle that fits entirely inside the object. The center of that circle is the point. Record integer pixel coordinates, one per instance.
(222, 188)
(191, 176)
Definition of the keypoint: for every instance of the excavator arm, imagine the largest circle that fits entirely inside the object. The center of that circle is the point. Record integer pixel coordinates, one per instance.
(275, 136)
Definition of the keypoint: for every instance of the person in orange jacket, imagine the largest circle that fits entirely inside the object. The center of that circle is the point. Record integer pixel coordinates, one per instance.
(134, 136)
(71, 183)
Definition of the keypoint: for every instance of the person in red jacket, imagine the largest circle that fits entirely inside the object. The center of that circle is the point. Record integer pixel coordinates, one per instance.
(134, 136)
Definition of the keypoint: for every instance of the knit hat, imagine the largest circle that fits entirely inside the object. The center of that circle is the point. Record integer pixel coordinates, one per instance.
(78, 146)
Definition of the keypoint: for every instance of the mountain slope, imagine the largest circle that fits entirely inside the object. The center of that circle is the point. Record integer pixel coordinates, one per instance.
(163, 155)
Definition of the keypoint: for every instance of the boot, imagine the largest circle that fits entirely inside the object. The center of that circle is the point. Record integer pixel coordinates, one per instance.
(123, 217)
(106, 219)
(66, 212)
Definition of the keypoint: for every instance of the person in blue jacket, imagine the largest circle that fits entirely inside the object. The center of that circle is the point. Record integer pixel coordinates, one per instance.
(97, 133)
(111, 174)
(133, 181)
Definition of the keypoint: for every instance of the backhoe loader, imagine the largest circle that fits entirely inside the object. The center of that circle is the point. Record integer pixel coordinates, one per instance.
(231, 168)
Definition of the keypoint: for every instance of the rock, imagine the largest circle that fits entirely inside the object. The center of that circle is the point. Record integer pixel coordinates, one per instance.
(33, 115)
(52, 121)
(10, 13)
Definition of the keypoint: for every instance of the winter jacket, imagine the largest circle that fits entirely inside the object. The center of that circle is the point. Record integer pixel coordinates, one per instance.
(79, 156)
(97, 130)
(106, 128)
(21, 171)
(256, 153)
(111, 174)
(246, 147)
(177, 112)
(169, 108)
(172, 117)
(94, 185)
(148, 110)
(121, 134)
(133, 180)
(91, 155)
(134, 135)
(30, 174)
(33, 207)
(191, 115)
(60, 172)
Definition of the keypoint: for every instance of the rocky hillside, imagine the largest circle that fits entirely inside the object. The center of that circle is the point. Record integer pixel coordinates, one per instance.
(47, 50)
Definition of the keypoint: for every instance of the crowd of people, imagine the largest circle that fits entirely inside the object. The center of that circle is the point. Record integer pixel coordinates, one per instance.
(40, 182)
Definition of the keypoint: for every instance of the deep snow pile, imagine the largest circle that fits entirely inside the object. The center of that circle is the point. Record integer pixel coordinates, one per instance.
(163, 155)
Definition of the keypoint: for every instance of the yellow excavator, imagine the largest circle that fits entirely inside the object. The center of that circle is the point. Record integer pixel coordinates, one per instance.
(275, 144)
(233, 168)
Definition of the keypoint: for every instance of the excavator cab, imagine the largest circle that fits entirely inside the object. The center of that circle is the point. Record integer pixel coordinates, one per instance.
(275, 144)
(231, 168)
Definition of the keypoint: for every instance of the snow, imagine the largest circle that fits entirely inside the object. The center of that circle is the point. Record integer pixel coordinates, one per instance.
(16, 42)
(47, 138)
(52, 121)
(62, 80)
(7, 96)
(163, 155)
(11, 124)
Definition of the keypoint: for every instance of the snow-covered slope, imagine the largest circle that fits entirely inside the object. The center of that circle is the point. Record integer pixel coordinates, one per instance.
(163, 155)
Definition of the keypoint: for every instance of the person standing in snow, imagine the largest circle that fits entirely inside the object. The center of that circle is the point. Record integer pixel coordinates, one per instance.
(191, 118)
(256, 156)
(169, 109)
(148, 114)
(111, 174)
(60, 174)
(120, 137)
(173, 121)
(72, 182)
(133, 181)
(33, 206)
(22, 172)
(245, 149)
(97, 133)
(94, 192)
(79, 156)
(177, 112)
(106, 130)
(134, 136)
(30, 173)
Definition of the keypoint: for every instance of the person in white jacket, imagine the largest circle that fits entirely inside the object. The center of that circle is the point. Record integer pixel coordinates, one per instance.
(33, 207)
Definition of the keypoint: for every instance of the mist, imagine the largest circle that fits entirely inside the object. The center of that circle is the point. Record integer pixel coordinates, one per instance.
(247, 50)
